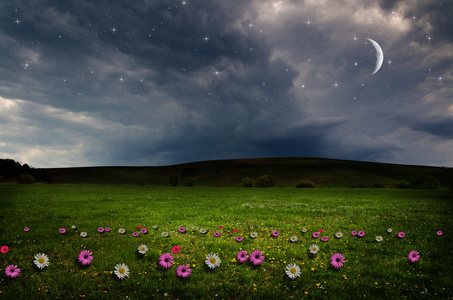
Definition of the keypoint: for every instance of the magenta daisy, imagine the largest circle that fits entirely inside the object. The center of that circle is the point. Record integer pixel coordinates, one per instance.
(165, 260)
(26, 229)
(239, 239)
(337, 260)
(85, 257)
(12, 271)
(275, 233)
(220, 226)
(107, 229)
(101, 229)
(315, 234)
(413, 256)
(242, 256)
(439, 233)
(135, 234)
(354, 233)
(257, 257)
(184, 271)
(175, 249)
(235, 230)
(62, 230)
(144, 230)
(320, 230)
(182, 229)
(216, 234)
(361, 233)
(324, 239)
(401, 235)
(4, 249)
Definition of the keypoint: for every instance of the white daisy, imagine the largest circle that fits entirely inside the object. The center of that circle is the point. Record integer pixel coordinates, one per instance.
(293, 239)
(304, 230)
(389, 230)
(41, 260)
(203, 231)
(292, 270)
(164, 234)
(121, 270)
(83, 234)
(314, 249)
(121, 231)
(253, 235)
(338, 235)
(155, 227)
(142, 249)
(74, 227)
(379, 239)
(212, 260)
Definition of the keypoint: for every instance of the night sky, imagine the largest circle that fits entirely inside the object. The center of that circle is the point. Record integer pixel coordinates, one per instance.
(120, 82)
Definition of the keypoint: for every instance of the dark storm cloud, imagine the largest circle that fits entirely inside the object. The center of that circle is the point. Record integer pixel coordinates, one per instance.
(158, 82)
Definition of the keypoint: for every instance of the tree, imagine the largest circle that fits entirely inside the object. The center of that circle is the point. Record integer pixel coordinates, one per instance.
(264, 181)
(173, 179)
(425, 182)
(190, 181)
(25, 178)
(247, 182)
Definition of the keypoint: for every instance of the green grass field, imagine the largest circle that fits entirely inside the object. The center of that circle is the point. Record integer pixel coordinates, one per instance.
(372, 270)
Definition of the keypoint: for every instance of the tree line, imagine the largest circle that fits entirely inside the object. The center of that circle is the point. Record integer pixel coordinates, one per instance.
(13, 171)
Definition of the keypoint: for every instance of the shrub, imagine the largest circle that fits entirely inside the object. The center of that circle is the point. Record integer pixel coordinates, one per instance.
(173, 179)
(25, 178)
(425, 182)
(264, 181)
(247, 182)
(358, 186)
(305, 184)
(403, 185)
(190, 181)
(378, 186)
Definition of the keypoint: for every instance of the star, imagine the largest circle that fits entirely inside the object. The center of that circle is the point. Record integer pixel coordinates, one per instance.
(121, 79)
(114, 29)
(206, 39)
(17, 21)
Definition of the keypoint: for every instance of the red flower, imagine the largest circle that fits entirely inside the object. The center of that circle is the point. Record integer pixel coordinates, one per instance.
(139, 227)
(175, 249)
(4, 249)
(220, 226)
(235, 230)
(320, 230)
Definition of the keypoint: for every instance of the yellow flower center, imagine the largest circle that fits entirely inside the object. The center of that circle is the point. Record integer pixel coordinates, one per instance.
(122, 271)
(293, 271)
(41, 260)
(314, 248)
(213, 260)
(143, 249)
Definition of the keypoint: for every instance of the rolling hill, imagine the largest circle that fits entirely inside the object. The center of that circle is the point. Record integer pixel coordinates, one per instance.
(286, 172)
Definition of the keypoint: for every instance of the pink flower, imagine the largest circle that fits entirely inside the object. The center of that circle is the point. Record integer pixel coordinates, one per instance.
(337, 260)
(144, 230)
(413, 256)
(216, 234)
(62, 230)
(439, 233)
(135, 234)
(401, 235)
(183, 271)
(235, 230)
(4, 249)
(175, 249)
(220, 226)
(324, 239)
(139, 227)
(165, 260)
(320, 230)
(242, 256)
(100, 229)
(182, 229)
(354, 233)
(239, 239)
(361, 233)
(107, 229)
(26, 229)
(275, 233)
(257, 257)
(12, 271)
(85, 257)
(315, 235)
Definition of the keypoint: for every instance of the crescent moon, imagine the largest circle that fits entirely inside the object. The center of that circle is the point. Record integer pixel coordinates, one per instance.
(379, 55)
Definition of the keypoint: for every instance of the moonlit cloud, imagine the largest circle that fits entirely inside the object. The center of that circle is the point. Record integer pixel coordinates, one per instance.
(154, 83)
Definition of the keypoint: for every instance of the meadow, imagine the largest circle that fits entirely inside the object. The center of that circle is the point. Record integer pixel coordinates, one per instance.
(376, 270)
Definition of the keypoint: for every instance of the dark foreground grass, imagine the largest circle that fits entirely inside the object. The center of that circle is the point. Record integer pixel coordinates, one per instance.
(372, 270)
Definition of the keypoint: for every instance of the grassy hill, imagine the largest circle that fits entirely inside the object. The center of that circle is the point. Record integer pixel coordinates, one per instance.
(285, 172)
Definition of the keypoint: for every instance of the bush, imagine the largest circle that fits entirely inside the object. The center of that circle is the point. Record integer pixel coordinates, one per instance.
(358, 186)
(403, 185)
(378, 186)
(25, 179)
(173, 179)
(264, 181)
(190, 181)
(247, 182)
(425, 182)
(305, 184)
